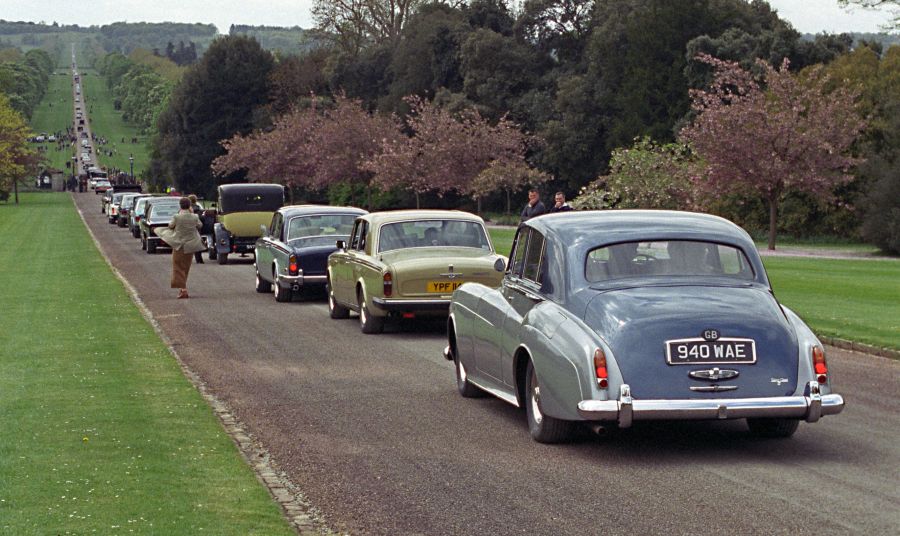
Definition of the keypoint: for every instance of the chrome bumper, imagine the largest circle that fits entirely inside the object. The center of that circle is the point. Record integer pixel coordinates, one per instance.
(625, 410)
(296, 281)
(399, 305)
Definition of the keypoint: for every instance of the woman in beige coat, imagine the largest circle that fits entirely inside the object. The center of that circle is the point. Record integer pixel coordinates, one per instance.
(183, 237)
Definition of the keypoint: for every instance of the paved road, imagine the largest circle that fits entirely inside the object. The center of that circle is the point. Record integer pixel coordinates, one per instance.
(373, 432)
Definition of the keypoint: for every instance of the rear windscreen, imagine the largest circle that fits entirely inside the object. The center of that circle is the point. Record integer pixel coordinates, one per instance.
(666, 258)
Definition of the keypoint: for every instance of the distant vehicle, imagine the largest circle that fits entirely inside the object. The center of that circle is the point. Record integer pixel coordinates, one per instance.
(96, 173)
(137, 212)
(39, 139)
(242, 210)
(293, 252)
(101, 186)
(51, 137)
(159, 212)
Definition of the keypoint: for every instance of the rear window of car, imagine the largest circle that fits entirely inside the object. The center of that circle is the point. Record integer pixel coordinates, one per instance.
(320, 225)
(433, 233)
(666, 258)
(161, 211)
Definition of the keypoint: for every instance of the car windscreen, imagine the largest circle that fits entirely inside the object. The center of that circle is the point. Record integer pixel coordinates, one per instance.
(117, 198)
(331, 225)
(666, 258)
(433, 233)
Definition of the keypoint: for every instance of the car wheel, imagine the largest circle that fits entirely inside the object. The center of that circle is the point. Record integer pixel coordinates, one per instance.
(543, 428)
(282, 294)
(367, 323)
(222, 259)
(151, 246)
(262, 286)
(773, 427)
(143, 241)
(213, 254)
(335, 310)
(135, 233)
(466, 388)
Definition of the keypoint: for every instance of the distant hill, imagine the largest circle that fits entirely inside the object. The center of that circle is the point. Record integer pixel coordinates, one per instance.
(289, 41)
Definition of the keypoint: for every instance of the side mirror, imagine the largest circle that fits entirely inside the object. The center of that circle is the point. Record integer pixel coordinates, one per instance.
(500, 264)
(341, 245)
(264, 230)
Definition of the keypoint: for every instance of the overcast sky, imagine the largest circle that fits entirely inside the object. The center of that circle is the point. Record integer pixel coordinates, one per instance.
(812, 16)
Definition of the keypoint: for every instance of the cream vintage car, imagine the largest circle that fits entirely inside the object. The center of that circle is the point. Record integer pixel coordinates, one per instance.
(407, 263)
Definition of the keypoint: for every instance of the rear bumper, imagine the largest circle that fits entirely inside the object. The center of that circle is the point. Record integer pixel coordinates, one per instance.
(295, 282)
(399, 305)
(625, 410)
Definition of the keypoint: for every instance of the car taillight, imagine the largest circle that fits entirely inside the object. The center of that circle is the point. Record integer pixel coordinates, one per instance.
(293, 267)
(388, 284)
(819, 364)
(600, 369)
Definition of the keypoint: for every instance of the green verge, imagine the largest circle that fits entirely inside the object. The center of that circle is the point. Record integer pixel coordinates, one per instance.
(855, 300)
(54, 114)
(108, 123)
(102, 433)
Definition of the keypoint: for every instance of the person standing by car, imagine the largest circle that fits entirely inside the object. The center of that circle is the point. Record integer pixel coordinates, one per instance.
(534, 207)
(183, 237)
(198, 210)
(560, 204)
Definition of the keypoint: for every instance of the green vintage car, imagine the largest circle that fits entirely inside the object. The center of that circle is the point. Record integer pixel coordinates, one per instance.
(407, 263)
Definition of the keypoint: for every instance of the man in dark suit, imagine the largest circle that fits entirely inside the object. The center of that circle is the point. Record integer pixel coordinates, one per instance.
(534, 206)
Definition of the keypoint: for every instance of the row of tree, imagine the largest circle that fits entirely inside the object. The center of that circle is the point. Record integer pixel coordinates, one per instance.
(586, 78)
(141, 84)
(25, 80)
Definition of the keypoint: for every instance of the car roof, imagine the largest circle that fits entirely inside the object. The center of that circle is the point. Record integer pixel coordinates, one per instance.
(290, 211)
(599, 227)
(391, 216)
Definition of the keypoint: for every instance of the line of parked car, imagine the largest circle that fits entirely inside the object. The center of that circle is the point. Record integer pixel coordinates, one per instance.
(596, 317)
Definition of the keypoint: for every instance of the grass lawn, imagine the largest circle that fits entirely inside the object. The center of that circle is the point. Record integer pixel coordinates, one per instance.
(101, 431)
(108, 123)
(54, 114)
(857, 300)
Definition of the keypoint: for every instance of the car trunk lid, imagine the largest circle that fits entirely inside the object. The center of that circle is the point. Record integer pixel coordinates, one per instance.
(668, 339)
(435, 272)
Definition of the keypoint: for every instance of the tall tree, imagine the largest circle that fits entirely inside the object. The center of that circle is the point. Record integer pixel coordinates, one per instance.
(216, 99)
(767, 141)
(356, 24)
(17, 159)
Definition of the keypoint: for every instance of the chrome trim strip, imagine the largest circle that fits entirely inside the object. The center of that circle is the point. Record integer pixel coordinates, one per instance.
(713, 388)
(502, 395)
(389, 302)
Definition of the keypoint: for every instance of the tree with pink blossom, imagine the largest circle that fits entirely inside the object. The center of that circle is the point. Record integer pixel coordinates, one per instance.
(770, 136)
(451, 152)
(313, 147)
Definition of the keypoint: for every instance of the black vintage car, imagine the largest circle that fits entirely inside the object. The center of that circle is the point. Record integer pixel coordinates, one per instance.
(159, 212)
(242, 210)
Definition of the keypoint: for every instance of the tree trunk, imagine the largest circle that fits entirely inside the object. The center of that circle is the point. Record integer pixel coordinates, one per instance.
(478, 205)
(16, 189)
(773, 221)
(508, 204)
(417, 201)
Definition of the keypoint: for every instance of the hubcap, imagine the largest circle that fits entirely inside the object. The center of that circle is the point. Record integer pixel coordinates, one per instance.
(535, 404)
(362, 313)
(462, 371)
